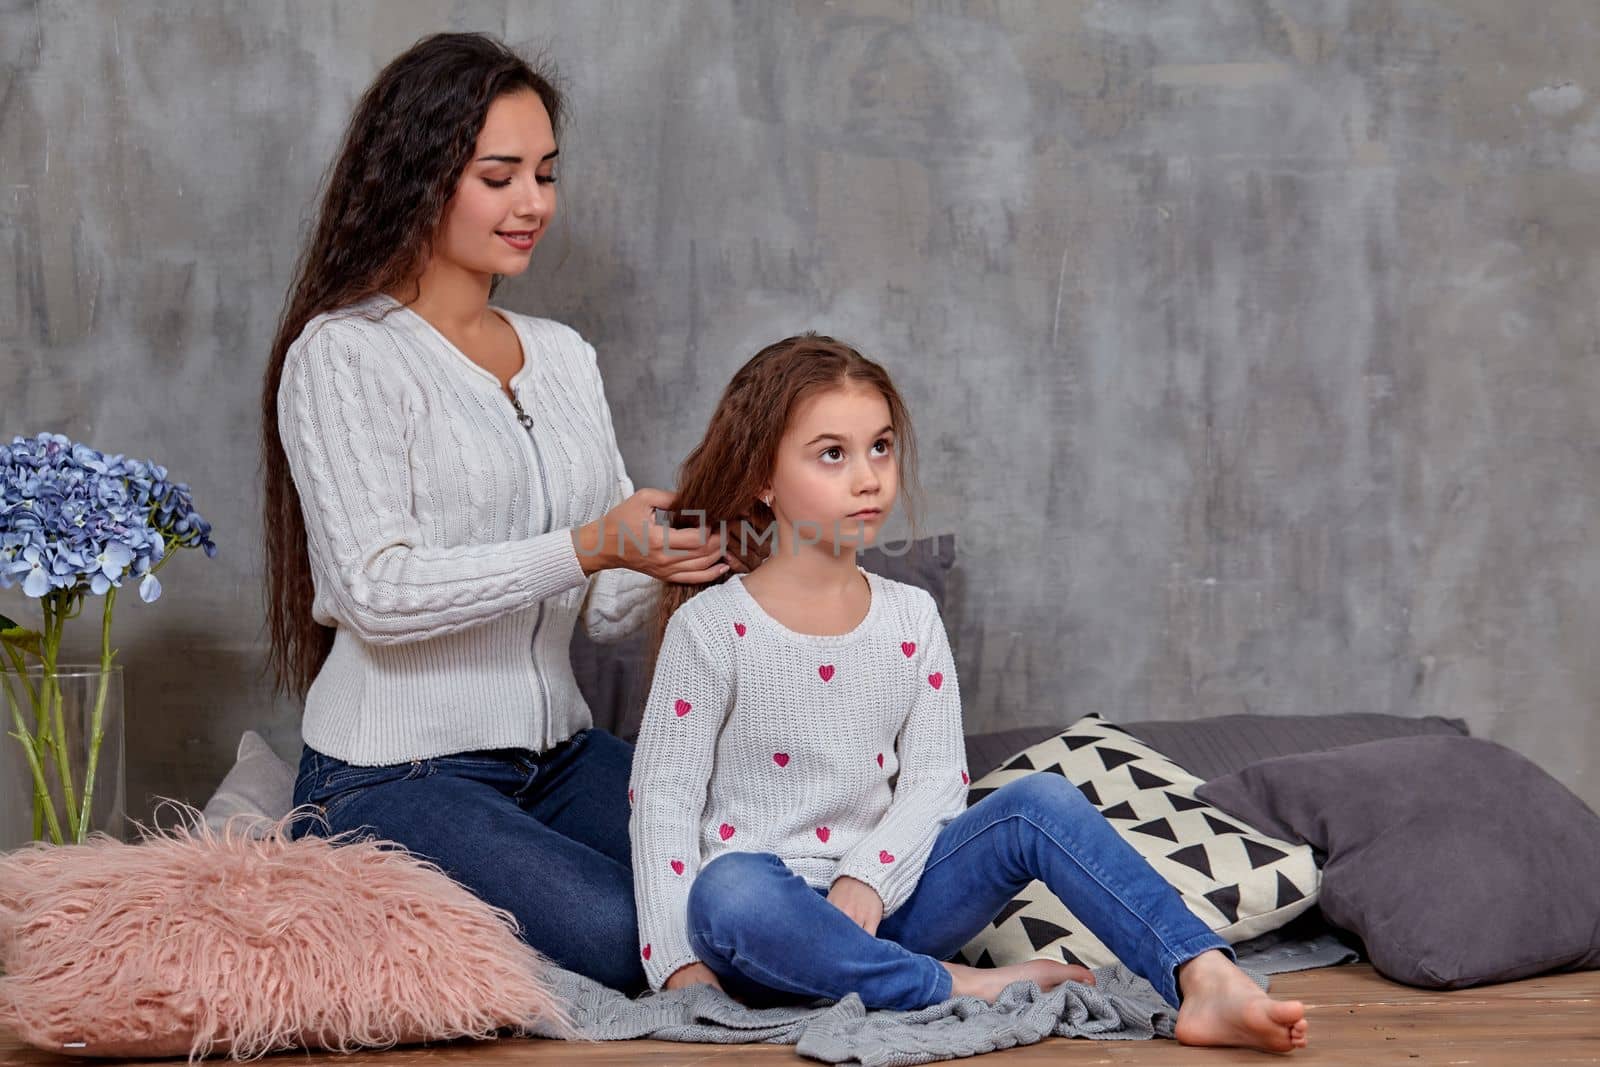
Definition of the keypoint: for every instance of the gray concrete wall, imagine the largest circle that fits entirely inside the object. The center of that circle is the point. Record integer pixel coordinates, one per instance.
(1253, 344)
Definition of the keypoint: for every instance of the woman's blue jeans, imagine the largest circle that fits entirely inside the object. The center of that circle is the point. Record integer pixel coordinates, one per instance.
(769, 937)
(542, 834)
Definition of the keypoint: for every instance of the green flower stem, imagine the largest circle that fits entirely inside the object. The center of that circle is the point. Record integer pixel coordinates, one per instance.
(40, 794)
(43, 740)
(54, 624)
(41, 788)
(97, 727)
(22, 672)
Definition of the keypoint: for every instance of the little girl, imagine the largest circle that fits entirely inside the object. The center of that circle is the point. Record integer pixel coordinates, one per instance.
(799, 825)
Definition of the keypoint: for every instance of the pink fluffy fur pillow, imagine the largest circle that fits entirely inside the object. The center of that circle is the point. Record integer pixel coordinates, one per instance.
(194, 942)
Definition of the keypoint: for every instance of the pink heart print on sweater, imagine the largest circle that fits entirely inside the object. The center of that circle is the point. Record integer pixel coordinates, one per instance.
(909, 648)
(725, 830)
(884, 857)
(677, 866)
(682, 707)
(781, 758)
(826, 671)
(645, 952)
(822, 834)
(880, 759)
(936, 679)
(738, 628)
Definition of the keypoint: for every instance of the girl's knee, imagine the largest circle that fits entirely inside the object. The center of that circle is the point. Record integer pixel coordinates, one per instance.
(1042, 793)
(733, 885)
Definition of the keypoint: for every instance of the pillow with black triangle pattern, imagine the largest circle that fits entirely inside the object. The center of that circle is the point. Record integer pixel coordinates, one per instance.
(1238, 881)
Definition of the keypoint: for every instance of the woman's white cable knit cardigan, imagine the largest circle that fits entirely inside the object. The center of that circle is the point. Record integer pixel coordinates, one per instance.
(438, 529)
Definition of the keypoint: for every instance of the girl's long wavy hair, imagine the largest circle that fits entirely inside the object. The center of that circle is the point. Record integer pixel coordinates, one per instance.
(408, 141)
(723, 475)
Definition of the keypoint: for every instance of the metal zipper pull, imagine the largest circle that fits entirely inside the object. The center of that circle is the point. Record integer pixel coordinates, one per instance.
(522, 416)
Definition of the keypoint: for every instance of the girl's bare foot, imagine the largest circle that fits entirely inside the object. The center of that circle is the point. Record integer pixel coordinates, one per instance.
(987, 982)
(1222, 1006)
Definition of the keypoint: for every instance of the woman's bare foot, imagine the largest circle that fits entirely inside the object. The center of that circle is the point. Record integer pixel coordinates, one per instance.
(987, 982)
(1222, 1006)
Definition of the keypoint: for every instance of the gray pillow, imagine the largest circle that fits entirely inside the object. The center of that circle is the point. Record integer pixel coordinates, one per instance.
(1456, 861)
(925, 564)
(259, 789)
(1210, 748)
(612, 677)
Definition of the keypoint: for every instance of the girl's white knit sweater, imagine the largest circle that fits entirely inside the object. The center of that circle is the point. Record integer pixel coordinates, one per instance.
(843, 755)
(438, 529)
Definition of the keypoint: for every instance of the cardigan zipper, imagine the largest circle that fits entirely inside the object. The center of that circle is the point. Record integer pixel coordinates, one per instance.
(549, 517)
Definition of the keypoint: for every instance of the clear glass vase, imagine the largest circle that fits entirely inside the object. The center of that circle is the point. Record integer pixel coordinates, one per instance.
(60, 713)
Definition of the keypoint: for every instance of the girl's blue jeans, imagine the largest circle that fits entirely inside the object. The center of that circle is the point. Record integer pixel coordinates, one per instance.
(770, 938)
(542, 834)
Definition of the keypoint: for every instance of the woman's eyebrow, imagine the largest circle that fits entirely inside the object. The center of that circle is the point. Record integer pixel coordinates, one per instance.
(553, 153)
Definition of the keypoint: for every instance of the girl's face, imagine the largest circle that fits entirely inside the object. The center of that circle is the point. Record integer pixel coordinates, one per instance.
(507, 195)
(837, 473)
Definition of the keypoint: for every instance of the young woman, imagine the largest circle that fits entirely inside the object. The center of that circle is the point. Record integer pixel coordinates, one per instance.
(445, 501)
(800, 827)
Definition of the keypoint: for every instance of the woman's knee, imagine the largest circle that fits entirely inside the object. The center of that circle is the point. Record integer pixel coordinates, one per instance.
(607, 950)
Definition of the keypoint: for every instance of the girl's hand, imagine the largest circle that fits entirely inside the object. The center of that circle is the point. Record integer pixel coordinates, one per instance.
(629, 536)
(858, 900)
(693, 974)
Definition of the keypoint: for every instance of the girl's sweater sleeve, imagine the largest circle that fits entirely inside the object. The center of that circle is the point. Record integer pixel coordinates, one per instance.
(342, 424)
(932, 787)
(620, 601)
(690, 698)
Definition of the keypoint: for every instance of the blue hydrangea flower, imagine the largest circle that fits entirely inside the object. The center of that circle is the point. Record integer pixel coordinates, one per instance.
(74, 520)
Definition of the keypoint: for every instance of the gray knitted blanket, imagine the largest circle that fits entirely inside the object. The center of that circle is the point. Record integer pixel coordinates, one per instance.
(1121, 1006)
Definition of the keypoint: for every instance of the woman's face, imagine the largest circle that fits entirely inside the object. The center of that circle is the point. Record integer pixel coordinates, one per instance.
(836, 459)
(507, 195)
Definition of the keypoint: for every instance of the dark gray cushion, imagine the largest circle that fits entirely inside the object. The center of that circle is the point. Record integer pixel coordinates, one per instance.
(1457, 861)
(612, 677)
(1209, 748)
(986, 751)
(925, 563)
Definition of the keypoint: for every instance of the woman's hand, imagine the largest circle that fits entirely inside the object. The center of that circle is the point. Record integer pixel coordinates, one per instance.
(629, 536)
(858, 900)
(693, 974)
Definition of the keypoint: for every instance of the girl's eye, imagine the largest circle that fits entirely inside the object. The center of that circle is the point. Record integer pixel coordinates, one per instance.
(833, 450)
(547, 179)
(887, 444)
(495, 184)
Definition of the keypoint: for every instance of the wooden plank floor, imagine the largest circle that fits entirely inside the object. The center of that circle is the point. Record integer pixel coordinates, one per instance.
(1356, 1017)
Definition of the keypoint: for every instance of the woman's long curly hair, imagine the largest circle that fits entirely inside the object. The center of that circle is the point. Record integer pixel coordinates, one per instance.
(724, 474)
(408, 142)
